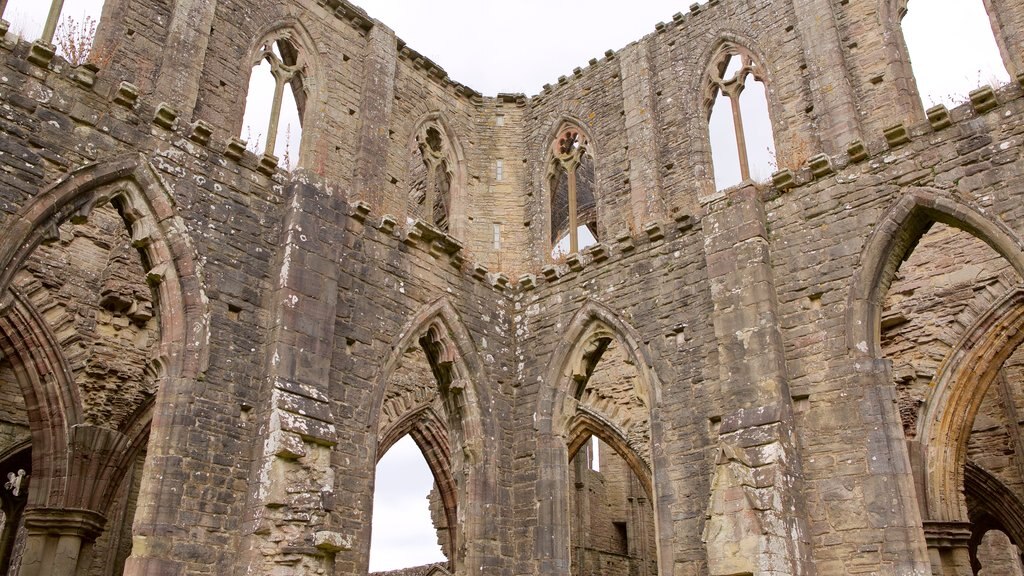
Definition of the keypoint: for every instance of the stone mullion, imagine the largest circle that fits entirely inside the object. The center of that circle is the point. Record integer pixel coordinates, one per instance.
(280, 79)
(737, 124)
(757, 489)
(574, 241)
(50, 27)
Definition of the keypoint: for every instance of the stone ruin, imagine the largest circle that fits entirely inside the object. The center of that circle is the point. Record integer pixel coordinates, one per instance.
(203, 354)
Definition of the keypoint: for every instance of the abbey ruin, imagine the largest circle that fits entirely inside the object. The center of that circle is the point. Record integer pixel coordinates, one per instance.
(203, 354)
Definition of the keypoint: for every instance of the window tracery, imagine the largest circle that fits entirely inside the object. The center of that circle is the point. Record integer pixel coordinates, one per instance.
(742, 142)
(433, 172)
(571, 180)
(278, 64)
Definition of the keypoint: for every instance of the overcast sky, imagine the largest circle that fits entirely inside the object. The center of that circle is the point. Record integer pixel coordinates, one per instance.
(520, 46)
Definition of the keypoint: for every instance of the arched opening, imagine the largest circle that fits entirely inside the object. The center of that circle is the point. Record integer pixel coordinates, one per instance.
(601, 385)
(275, 102)
(571, 184)
(431, 171)
(612, 514)
(410, 526)
(948, 313)
(739, 126)
(952, 49)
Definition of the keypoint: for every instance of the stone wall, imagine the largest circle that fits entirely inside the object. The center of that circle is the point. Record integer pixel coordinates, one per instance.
(811, 375)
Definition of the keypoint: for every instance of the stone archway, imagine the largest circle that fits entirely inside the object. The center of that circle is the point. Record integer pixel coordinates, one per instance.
(78, 474)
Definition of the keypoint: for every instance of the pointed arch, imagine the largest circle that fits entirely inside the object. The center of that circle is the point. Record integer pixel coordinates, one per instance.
(988, 496)
(447, 156)
(894, 238)
(460, 376)
(294, 63)
(587, 336)
(147, 208)
(429, 431)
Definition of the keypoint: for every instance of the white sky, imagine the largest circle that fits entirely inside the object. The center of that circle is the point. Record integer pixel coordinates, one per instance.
(518, 47)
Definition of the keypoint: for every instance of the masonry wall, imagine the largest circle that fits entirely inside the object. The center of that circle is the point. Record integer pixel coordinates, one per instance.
(775, 429)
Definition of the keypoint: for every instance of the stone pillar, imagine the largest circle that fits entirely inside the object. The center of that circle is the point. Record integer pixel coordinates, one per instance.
(370, 179)
(949, 548)
(756, 521)
(640, 104)
(290, 525)
(59, 541)
(184, 54)
(835, 112)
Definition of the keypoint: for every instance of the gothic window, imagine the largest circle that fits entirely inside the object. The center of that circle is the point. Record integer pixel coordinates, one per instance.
(432, 170)
(952, 49)
(273, 115)
(571, 185)
(742, 142)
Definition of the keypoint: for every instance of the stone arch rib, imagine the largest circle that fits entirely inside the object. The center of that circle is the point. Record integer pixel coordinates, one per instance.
(990, 496)
(893, 238)
(960, 387)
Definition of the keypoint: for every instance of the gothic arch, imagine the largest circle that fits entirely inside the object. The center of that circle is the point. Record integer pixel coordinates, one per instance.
(994, 499)
(148, 211)
(573, 361)
(587, 424)
(455, 157)
(893, 238)
(711, 82)
(461, 379)
(429, 430)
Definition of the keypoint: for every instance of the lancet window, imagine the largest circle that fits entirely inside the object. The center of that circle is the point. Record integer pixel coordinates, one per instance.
(275, 127)
(571, 183)
(432, 170)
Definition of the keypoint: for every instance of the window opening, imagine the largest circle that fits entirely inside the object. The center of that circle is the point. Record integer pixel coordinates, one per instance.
(431, 176)
(742, 141)
(497, 236)
(70, 26)
(952, 50)
(499, 170)
(272, 123)
(573, 204)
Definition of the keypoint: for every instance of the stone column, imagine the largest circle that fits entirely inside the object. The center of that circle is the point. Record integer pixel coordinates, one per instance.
(59, 541)
(290, 525)
(949, 548)
(756, 524)
(639, 102)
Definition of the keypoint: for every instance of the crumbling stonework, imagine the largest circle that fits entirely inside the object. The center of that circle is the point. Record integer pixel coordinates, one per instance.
(204, 355)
